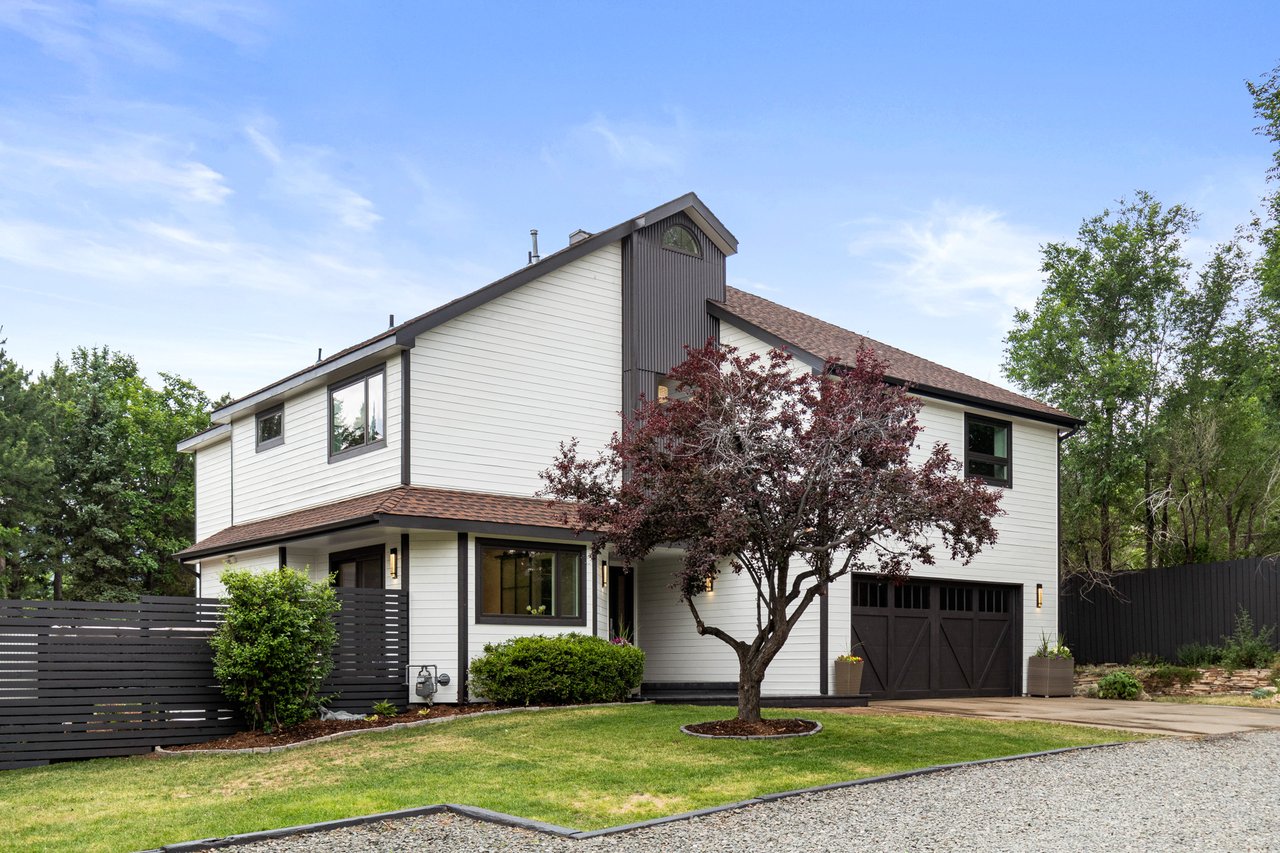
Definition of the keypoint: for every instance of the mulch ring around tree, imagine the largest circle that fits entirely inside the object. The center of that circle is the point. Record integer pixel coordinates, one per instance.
(742, 730)
(312, 729)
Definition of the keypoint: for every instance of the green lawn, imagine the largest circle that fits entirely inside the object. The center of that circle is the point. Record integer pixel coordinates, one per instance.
(584, 768)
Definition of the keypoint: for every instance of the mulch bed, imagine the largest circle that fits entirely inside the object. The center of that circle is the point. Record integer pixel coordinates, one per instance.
(739, 728)
(312, 729)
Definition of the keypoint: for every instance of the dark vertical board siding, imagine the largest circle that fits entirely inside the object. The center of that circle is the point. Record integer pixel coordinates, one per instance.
(664, 298)
(1154, 612)
(89, 679)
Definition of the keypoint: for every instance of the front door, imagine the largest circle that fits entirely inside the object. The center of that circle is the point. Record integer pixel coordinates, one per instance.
(361, 568)
(622, 603)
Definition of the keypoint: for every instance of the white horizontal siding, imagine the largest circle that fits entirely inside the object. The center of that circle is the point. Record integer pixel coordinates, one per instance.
(675, 652)
(433, 608)
(213, 489)
(298, 473)
(211, 571)
(496, 390)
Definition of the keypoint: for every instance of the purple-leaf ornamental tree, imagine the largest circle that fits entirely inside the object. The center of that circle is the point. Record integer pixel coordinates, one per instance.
(790, 477)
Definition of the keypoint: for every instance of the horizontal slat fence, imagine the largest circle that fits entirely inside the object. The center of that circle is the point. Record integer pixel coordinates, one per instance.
(372, 652)
(1152, 613)
(89, 679)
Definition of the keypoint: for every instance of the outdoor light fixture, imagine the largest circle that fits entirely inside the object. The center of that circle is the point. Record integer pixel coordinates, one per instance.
(604, 573)
(1039, 596)
(711, 584)
(395, 564)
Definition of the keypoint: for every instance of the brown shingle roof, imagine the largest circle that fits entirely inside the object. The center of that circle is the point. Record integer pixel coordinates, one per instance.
(384, 507)
(825, 340)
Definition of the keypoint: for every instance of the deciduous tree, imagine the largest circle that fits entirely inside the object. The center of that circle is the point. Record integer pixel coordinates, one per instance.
(786, 477)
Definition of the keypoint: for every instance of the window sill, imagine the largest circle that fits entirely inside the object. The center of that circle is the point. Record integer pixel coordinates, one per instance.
(357, 451)
(492, 619)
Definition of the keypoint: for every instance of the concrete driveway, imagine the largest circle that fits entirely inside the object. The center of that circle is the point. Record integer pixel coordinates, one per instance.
(1156, 717)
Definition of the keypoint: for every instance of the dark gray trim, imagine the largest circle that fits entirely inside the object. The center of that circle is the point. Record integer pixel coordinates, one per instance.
(491, 528)
(263, 541)
(212, 435)
(504, 819)
(722, 313)
(413, 522)
(824, 643)
(490, 619)
(405, 459)
(1007, 482)
(347, 382)
(404, 562)
(258, 444)
(688, 203)
(283, 556)
(464, 621)
(407, 333)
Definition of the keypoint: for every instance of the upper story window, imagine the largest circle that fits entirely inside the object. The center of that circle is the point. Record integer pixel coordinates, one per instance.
(681, 239)
(988, 450)
(269, 426)
(357, 414)
(530, 582)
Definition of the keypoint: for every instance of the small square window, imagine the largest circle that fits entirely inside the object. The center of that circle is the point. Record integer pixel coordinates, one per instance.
(988, 450)
(357, 414)
(270, 428)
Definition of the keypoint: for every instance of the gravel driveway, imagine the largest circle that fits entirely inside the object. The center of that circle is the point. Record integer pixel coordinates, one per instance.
(1174, 794)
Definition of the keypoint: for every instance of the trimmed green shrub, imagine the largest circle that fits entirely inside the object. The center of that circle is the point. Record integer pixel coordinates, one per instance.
(273, 650)
(1247, 648)
(1163, 676)
(1120, 684)
(563, 670)
(1199, 654)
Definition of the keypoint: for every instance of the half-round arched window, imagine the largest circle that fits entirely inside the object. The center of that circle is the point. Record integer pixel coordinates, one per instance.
(681, 239)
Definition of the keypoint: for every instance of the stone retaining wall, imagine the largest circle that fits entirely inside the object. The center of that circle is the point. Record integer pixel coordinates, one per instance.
(1212, 681)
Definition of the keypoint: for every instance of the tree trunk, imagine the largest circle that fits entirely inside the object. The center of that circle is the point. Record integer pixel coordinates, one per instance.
(4, 577)
(57, 584)
(749, 697)
(1104, 535)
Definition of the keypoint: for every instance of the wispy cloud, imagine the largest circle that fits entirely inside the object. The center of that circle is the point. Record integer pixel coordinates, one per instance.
(302, 173)
(953, 259)
(86, 34)
(628, 145)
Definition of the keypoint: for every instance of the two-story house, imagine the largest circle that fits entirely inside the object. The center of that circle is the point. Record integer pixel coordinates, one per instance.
(410, 461)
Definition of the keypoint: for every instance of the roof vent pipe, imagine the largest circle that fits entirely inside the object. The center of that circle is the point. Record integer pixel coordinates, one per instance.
(534, 257)
(319, 350)
(391, 321)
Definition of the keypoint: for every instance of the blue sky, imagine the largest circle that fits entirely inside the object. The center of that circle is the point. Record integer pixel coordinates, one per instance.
(222, 187)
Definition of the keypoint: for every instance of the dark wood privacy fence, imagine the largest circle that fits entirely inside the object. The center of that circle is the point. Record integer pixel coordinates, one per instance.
(88, 679)
(1154, 612)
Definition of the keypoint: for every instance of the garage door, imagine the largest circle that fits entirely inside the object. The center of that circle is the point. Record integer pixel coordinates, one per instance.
(927, 639)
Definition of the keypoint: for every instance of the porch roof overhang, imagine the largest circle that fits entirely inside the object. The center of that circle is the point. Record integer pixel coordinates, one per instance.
(402, 507)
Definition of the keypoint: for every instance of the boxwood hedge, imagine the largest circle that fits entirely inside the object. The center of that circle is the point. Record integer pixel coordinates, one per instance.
(562, 670)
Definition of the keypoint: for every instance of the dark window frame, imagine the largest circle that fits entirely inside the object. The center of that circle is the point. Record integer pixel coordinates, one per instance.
(662, 241)
(357, 554)
(1006, 460)
(483, 618)
(343, 384)
(258, 444)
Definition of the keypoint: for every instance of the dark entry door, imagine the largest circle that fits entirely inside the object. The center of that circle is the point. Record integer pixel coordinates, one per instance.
(930, 639)
(622, 603)
(361, 568)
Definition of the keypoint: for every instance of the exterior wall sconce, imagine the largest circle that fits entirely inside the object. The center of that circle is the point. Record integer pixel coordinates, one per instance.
(1039, 596)
(394, 565)
(604, 574)
(230, 561)
(711, 584)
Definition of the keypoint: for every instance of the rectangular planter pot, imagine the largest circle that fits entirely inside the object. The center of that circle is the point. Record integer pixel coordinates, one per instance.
(1050, 676)
(848, 678)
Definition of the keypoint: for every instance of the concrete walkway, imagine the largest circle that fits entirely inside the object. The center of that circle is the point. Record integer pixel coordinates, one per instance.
(1156, 717)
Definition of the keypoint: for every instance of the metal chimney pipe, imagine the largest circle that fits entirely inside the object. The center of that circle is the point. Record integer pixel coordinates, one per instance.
(534, 257)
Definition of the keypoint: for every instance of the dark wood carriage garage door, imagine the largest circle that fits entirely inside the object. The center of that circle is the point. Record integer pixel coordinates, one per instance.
(929, 639)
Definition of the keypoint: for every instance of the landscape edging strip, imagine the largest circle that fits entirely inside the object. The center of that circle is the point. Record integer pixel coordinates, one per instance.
(503, 819)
